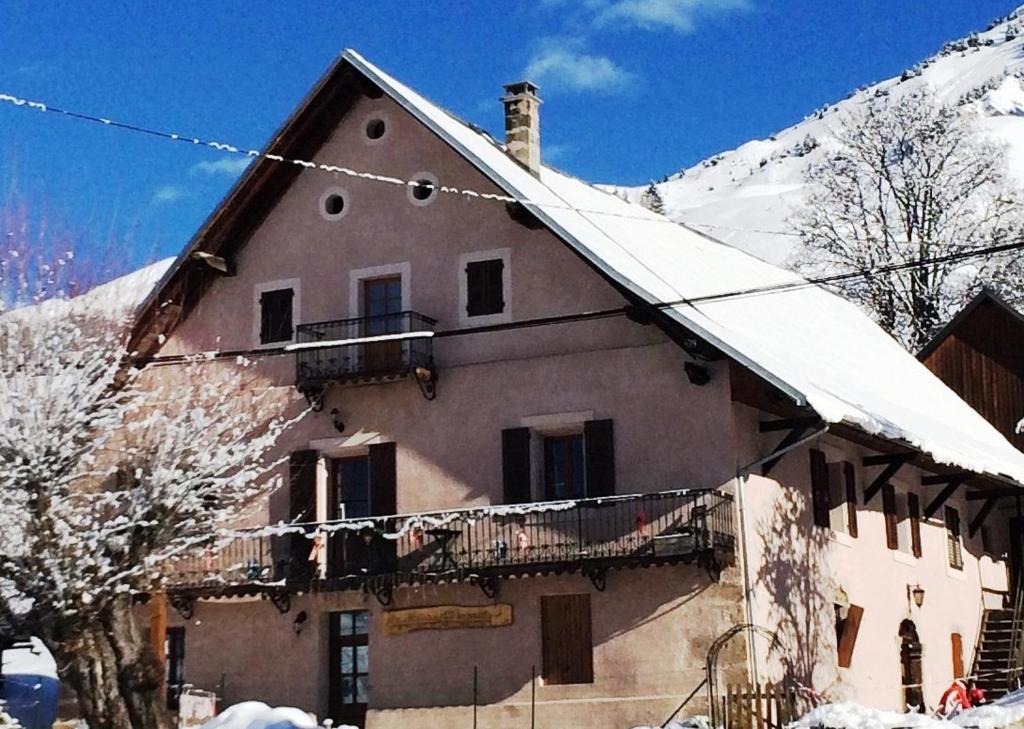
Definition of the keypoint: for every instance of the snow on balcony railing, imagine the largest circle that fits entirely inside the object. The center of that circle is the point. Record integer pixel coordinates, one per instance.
(662, 527)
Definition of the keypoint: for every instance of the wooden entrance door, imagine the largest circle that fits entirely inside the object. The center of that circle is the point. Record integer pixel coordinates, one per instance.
(910, 667)
(382, 307)
(349, 667)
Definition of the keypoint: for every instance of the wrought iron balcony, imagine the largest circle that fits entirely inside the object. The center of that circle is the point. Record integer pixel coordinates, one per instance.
(479, 544)
(364, 348)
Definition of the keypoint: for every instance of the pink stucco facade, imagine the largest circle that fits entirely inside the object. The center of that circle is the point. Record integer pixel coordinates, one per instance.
(651, 627)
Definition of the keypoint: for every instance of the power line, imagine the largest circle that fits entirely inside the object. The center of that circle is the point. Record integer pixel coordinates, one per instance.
(227, 148)
(637, 311)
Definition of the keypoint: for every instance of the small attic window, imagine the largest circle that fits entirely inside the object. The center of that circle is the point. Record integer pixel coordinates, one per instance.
(375, 128)
(334, 203)
(424, 191)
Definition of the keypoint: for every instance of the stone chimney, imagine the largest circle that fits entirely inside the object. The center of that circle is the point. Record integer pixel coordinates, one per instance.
(522, 124)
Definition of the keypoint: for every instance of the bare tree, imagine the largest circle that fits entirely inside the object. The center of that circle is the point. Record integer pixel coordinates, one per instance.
(108, 472)
(911, 180)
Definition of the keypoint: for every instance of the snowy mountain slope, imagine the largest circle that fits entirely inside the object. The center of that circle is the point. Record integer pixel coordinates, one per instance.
(745, 196)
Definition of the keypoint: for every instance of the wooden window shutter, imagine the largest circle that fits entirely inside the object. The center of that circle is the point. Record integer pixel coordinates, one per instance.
(567, 645)
(850, 476)
(276, 315)
(599, 447)
(485, 287)
(953, 547)
(889, 510)
(383, 480)
(914, 511)
(515, 465)
(302, 486)
(819, 488)
(849, 638)
(957, 643)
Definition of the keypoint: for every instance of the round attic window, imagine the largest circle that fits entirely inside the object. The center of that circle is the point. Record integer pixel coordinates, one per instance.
(375, 128)
(425, 190)
(334, 203)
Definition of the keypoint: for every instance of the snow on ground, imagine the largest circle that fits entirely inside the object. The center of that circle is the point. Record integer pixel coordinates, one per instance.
(257, 715)
(745, 196)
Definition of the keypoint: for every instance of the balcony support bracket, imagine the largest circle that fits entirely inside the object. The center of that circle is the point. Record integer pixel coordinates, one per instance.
(185, 605)
(488, 585)
(381, 589)
(314, 395)
(598, 577)
(281, 600)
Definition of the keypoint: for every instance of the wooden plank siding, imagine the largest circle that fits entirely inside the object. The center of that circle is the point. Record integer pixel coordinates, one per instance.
(981, 358)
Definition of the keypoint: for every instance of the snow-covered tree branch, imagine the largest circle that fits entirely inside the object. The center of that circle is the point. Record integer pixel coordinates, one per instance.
(106, 473)
(909, 181)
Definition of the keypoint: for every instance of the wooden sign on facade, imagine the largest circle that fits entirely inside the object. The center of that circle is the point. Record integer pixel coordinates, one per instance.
(445, 617)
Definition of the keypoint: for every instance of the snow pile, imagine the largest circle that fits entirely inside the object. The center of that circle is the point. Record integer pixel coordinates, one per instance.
(1005, 712)
(257, 715)
(29, 661)
(745, 196)
(6, 722)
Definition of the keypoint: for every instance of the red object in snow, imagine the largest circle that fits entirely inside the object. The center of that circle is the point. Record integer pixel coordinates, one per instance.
(955, 699)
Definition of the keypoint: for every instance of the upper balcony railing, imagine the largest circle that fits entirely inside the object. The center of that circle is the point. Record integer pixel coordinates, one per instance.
(364, 348)
(596, 533)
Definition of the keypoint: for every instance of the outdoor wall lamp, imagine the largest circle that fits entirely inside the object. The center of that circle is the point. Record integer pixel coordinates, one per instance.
(300, 622)
(336, 421)
(917, 593)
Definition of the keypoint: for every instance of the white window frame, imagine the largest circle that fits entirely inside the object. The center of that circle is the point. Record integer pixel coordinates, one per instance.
(505, 255)
(358, 275)
(257, 290)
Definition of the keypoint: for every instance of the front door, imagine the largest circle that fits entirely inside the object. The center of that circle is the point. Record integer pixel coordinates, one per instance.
(910, 667)
(382, 307)
(349, 667)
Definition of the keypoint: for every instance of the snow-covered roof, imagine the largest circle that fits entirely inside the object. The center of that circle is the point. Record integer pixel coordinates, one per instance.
(819, 349)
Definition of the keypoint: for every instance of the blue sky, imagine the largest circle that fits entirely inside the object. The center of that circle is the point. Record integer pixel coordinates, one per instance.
(633, 89)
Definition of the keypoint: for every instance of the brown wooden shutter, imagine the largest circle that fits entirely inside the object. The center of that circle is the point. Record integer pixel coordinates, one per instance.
(889, 510)
(850, 476)
(849, 637)
(819, 488)
(302, 486)
(599, 444)
(383, 480)
(567, 646)
(914, 510)
(957, 642)
(515, 465)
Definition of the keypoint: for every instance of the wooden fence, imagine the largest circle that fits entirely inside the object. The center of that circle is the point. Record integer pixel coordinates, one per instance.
(767, 706)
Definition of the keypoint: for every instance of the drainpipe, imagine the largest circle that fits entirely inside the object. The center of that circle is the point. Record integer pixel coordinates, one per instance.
(740, 480)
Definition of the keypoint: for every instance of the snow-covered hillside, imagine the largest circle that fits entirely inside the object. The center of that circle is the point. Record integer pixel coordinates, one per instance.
(745, 196)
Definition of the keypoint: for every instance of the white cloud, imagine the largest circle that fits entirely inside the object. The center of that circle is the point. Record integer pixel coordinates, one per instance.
(562, 63)
(677, 15)
(168, 193)
(230, 166)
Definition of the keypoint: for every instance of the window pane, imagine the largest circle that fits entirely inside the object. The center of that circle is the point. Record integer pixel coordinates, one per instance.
(347, 659)
(362, 623)
(347, 690)
(353, 484)
(362, 659)
(362, 689)
(345, 624)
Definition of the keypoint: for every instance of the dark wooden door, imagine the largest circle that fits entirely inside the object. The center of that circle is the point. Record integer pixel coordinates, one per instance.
(910, 667)
(348, 668)
(382, 307)
(567, 646)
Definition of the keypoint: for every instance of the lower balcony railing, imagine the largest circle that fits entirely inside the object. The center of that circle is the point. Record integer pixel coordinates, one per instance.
(668, 526)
